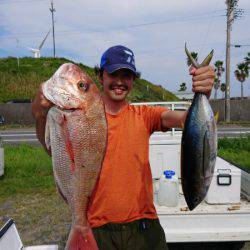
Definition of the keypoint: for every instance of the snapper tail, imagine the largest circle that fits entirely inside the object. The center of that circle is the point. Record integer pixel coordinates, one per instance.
(81, 238)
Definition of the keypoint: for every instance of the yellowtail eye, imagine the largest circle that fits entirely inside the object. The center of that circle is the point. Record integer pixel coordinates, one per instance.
(83, 85)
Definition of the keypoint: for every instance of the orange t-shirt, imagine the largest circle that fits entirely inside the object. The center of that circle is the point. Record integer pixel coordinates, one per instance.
(124, 190)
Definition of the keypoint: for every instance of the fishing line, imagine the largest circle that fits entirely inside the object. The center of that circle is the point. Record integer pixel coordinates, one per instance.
(210, 24)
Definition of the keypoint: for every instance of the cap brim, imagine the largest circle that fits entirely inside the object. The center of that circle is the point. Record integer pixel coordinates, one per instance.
(112, 68)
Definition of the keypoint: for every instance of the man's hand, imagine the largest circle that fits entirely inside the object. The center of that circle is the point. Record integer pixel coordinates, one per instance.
(203, 79)
(40, 105)
(40, 108)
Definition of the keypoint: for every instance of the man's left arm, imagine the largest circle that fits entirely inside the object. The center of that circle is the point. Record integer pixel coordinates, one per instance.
(203, 81)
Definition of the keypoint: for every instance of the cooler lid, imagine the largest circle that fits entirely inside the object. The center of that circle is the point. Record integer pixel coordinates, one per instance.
(224, 167)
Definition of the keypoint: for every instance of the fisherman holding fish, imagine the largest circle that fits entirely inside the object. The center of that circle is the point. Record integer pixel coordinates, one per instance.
(121, 212)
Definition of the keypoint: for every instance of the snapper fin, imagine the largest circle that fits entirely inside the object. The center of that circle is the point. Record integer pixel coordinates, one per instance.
(47, 135)
(79, 240)
(61, 193)
(68, 143)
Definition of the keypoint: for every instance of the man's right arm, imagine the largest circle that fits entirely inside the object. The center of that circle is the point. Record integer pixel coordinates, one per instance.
(40, 108)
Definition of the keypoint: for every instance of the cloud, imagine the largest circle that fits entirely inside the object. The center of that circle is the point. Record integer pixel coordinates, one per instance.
(155, 30)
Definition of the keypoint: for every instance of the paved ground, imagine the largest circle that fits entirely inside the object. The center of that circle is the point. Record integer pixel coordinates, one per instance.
(17, 136)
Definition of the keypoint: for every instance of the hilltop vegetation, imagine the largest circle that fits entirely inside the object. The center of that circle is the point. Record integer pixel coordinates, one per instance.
(23, 82)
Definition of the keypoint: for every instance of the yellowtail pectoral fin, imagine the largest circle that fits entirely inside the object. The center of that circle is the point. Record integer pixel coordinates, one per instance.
(216, 116)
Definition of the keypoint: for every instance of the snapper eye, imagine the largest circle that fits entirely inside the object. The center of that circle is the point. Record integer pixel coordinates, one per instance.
(83, 86)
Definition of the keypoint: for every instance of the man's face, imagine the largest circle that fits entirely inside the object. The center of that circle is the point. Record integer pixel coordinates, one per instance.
(117, 85)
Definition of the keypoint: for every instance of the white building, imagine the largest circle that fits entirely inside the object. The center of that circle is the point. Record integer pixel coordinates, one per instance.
(184, 95)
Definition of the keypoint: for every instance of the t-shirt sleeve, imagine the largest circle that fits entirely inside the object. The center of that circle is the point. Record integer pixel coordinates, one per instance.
(152, 118)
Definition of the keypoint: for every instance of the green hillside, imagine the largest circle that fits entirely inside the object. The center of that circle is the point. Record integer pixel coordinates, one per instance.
(23, 82)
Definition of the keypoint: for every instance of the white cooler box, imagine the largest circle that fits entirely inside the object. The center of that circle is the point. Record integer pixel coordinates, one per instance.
(226, 184)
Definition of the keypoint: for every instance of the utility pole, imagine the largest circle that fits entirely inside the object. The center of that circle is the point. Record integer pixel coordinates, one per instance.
(52, 9)
(17, 43)
(232, 13)
(227, 92)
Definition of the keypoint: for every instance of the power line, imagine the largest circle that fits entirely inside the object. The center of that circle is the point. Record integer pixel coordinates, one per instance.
(210, 24)
(107, 29)
(24, 1)
(147, 53)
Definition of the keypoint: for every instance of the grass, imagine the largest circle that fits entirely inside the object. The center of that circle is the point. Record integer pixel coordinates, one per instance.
(28, 193)
(40, 218)
(29, 168)
(23, 82)
(236, 151)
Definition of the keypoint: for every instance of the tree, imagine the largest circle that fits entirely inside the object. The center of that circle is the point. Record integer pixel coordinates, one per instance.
(241, 73)
(216, 86)
(183, 87)
(223, 88)
(247, 60)
(218, 72)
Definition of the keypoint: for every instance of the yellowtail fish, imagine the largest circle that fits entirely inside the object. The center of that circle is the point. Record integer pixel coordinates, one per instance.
(198, 146)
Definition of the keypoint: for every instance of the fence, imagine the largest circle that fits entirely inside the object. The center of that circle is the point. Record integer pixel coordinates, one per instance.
(240, 109)
(20, 113)
(17, 113)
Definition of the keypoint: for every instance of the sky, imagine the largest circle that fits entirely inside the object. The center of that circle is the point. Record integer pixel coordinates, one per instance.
(155, 30)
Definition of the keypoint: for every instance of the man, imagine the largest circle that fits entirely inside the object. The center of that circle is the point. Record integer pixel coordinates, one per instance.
(121, 210)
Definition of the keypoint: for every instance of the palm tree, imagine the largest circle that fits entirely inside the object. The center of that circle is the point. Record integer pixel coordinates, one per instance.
(194, 55)
(218, 71)
(223, 89)
(241, 73)
(247, 60)
(183, 87)
(216, 86)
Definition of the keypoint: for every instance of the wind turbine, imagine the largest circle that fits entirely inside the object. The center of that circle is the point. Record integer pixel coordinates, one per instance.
(37, 52)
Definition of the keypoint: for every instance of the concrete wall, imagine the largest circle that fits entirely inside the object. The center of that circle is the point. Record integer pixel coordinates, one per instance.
(17, 113)
(240, 109)
(20, 113)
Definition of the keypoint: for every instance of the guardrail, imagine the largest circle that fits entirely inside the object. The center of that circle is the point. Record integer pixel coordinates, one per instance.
(171, 105)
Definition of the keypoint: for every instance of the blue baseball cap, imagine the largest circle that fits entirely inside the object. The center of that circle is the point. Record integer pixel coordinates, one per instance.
(118, 57)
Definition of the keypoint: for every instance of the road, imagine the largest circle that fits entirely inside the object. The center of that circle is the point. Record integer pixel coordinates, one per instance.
(233, 132)
(19, 136)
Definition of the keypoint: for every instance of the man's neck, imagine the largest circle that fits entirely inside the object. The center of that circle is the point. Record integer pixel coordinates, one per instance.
(113, 107)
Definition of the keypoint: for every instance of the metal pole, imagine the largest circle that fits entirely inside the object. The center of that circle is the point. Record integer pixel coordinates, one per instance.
(52, 9)
(17, 43)
(227, 92)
